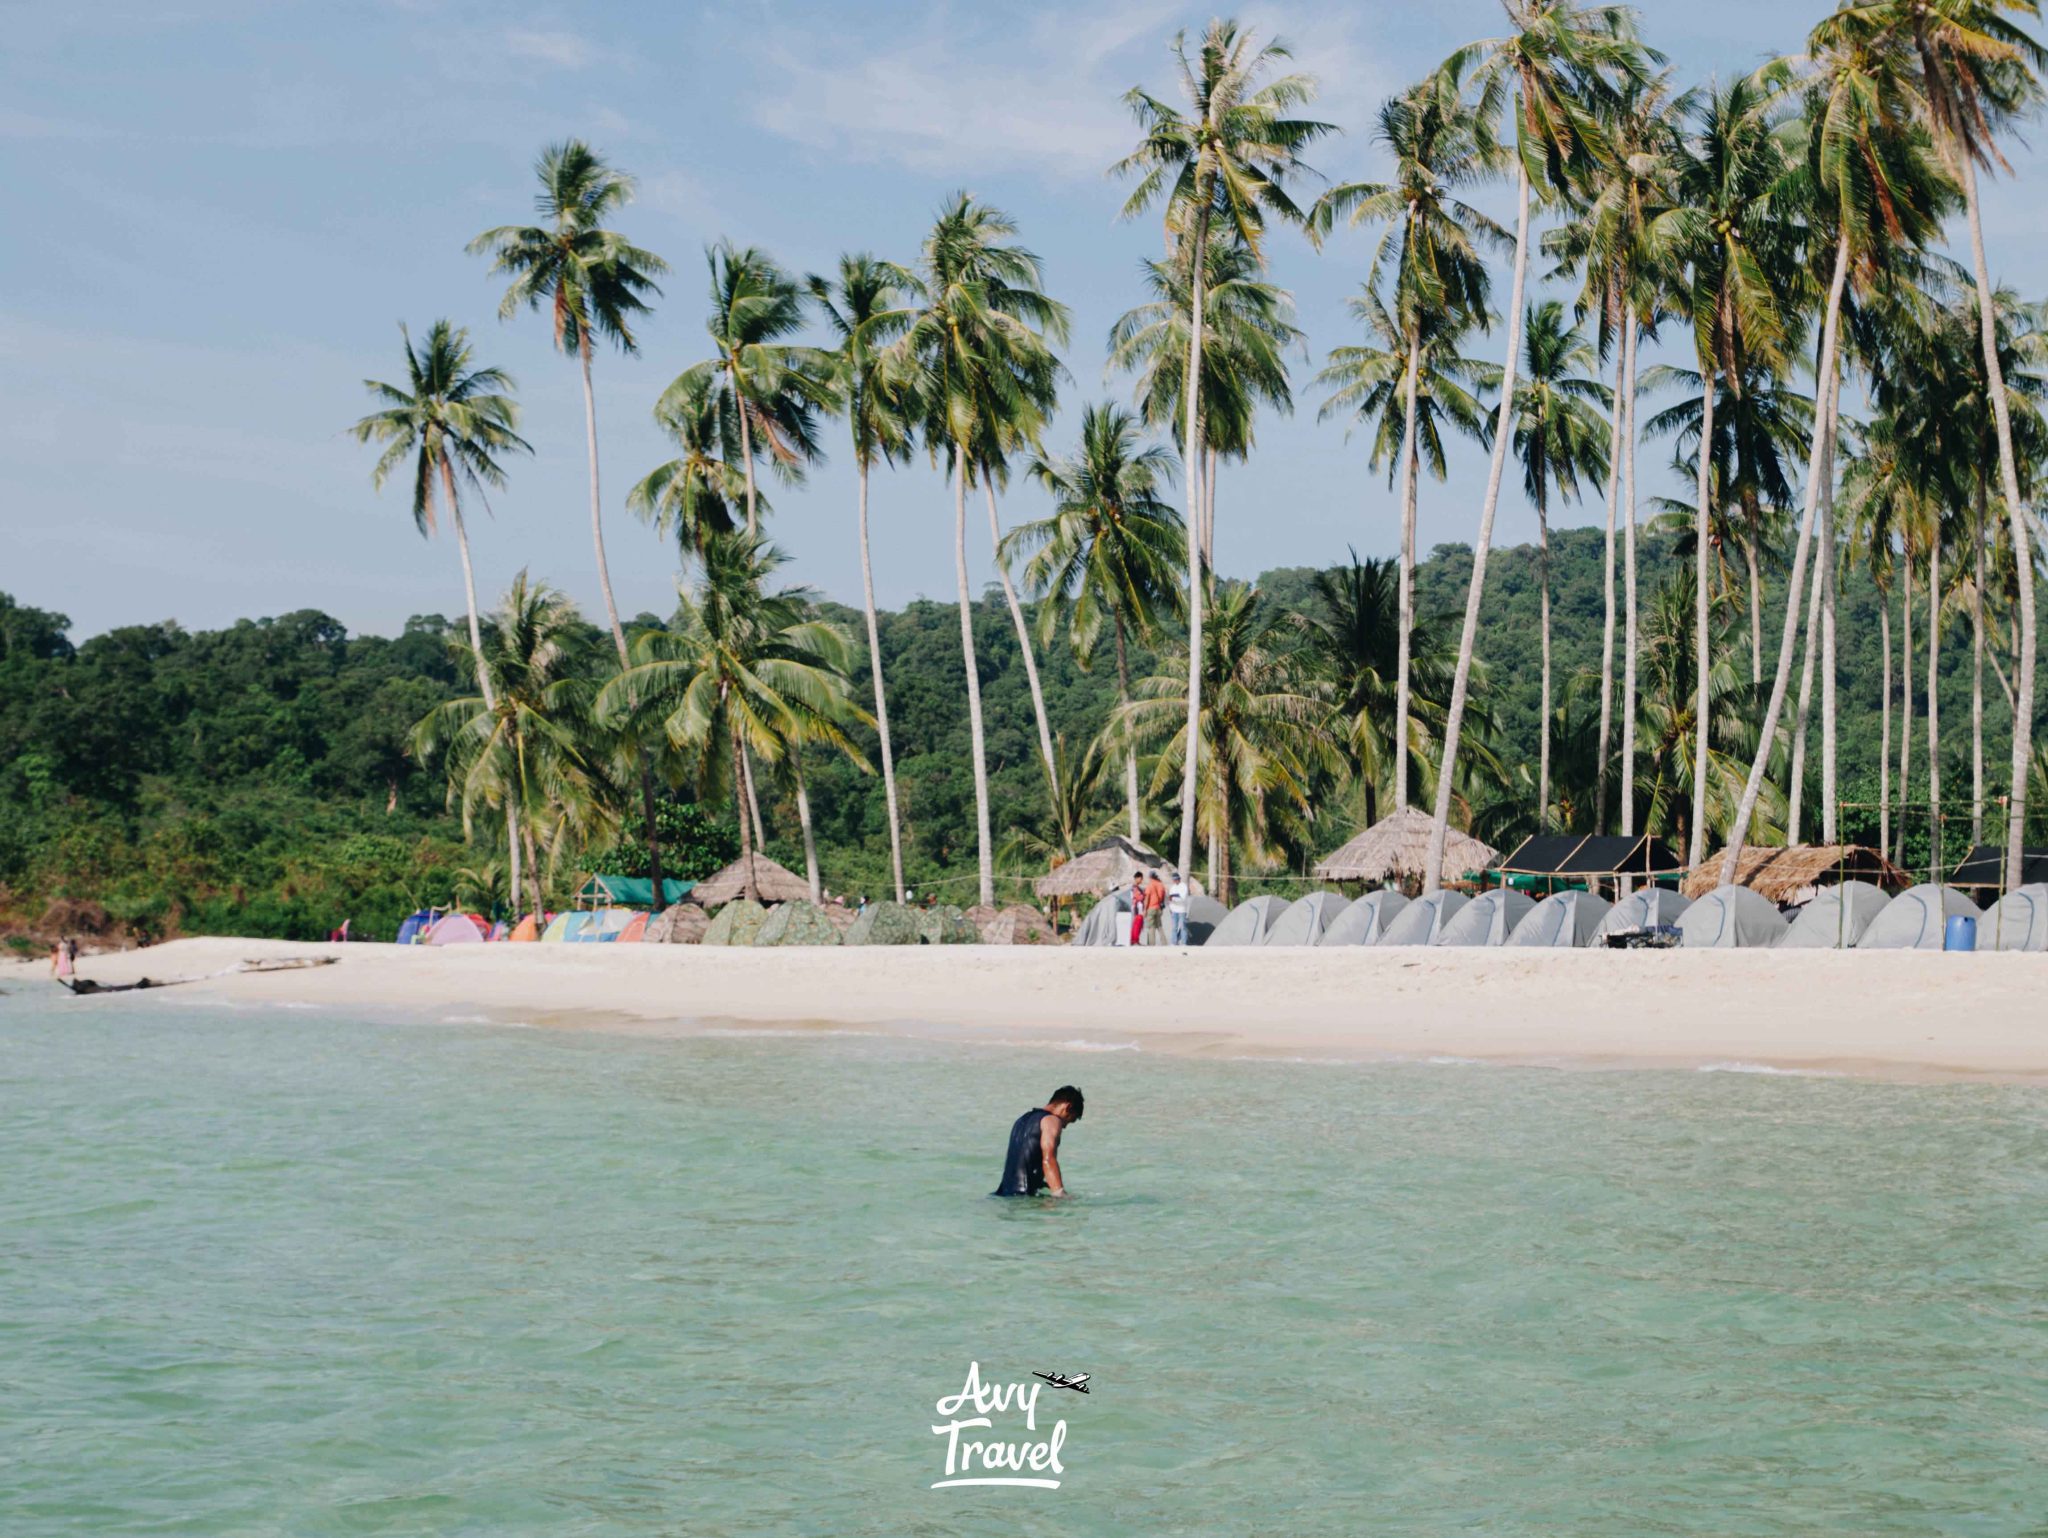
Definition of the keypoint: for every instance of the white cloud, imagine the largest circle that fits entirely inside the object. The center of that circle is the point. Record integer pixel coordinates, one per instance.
(563, 50)
(954, 98)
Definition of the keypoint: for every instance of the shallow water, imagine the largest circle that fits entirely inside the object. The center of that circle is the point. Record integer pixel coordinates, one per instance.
(283, 1273)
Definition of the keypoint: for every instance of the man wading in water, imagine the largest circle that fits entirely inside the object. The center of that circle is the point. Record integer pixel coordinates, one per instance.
(1033, 1163)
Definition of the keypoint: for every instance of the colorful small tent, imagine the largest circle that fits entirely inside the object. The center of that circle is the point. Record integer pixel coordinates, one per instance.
(635, 930)
(416, 925)
(601, 927)
(526, 930)
(564, 928)
(457, 929)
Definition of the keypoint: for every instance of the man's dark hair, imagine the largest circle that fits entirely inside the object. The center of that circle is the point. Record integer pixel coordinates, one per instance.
(1071, 1095)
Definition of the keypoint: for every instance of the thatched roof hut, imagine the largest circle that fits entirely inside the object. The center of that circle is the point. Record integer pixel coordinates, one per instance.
(1792, 874)
(774, 882)
(1397, 846)
(1109, 864)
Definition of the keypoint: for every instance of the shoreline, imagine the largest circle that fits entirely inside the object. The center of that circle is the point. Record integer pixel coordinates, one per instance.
(1919, 1015)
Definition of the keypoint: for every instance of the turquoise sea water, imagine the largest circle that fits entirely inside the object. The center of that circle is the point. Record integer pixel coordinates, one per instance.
(284, 1273)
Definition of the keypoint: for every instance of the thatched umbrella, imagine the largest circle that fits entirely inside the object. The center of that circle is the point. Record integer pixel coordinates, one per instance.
(1398, 846)
(773, 883)
(1794, 873)
(1110, 863)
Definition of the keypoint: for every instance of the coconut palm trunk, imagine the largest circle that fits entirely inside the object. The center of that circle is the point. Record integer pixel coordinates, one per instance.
(1816, 463)
(1607, 589)
(1440, 823)
(1191, 451)
(2001, 412)
(1756, 596)
(1543, 611)
(1630, 611)
(867, 585)
(1829, 573)
(995, 532)
(1123, 699)
(533, 874)
(1906, 696)
(1796, 796)
(1934, 703)
(1209, 468)
(983, 850)
(747, 463)
(750, 886)
(1977, 669)
(1696, 836)
(1884, 747)
(483, 672)
(1410, 387)
(803, 817)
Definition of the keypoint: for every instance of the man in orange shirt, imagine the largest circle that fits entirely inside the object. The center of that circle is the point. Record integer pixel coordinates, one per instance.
(1155, 907)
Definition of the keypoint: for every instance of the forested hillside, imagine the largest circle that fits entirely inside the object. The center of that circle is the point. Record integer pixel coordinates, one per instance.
(257, 779)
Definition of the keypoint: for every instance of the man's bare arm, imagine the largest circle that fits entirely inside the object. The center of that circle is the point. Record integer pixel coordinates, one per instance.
(1049, 1131)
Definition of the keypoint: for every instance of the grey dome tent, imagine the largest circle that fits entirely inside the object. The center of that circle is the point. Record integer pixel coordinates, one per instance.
(1366, 919)
(2018, 921)
(1731, 918)
(1487, 919)
(1562, 921)
(1423, 919)
(1103, 920)
(1248, 922)
(1651, 908)
(1917, 919)
(1306, 919)
(1204, 914)
(1837, 918)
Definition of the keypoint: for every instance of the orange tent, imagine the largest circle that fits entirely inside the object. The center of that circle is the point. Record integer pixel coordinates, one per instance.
(527, 929)
(634, 929)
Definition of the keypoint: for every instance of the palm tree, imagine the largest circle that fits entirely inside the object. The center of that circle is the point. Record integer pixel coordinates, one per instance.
(1877, 502)
(1352, 641)
(865, 304)
(703, 491)
(1558, 436)
(1876, 189)
(1441, 287)
(449, 416)
(743, 669)
(1623, 288)
(589, 279)
(1560, 61)
(527, 742)
(1259, 731)
(1974, 71)
(1110, 555)
(1734, 244)
(984, 379)
(1247, 330)
(769, 387)
(1224, 160)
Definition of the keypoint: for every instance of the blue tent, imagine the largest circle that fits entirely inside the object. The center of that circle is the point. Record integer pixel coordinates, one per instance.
(415, 927)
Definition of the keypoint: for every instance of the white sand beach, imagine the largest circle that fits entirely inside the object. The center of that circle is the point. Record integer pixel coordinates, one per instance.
(1906, 1014)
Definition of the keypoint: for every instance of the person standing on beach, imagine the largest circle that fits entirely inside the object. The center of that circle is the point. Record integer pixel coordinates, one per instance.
(1032, 1164)
(1138, 907)
(1177, 911)
(1155, 909)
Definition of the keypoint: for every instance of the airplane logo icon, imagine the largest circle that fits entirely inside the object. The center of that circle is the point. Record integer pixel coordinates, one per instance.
(1078, 1382)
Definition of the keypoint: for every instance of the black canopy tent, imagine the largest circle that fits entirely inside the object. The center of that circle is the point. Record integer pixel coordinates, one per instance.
(1986, 867)
(1565, 855)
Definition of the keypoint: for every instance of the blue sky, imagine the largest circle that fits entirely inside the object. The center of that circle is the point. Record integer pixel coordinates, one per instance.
(222, 211)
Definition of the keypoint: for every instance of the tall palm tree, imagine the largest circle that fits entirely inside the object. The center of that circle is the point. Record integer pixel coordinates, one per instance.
(866, 305)
(984, 376)
(454, 421)
(1735, 245)
(592, 281)
(1247, 330)
(1606, 237)
(1975, 69)
(1877, 501)
(1259, 730)
(1559, 441)
(771, 389)
(1109, 556)
(743, 669)
(703, 491)
(527, 742)
(1222, 160)
(1433, 242)
(1877, 192)
(1560, 62)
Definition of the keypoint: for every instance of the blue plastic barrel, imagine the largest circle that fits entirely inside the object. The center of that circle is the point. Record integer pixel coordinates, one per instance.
(1962, 933)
